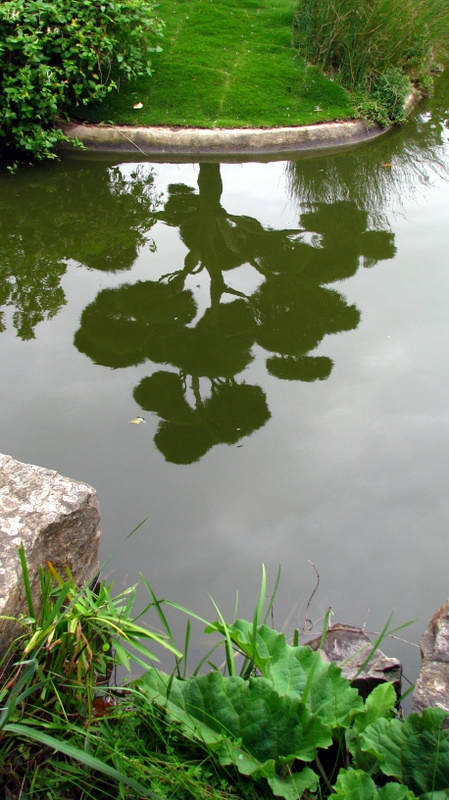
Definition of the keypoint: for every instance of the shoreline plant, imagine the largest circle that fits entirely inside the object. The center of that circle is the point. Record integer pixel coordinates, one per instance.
(377, 49)
(267, 719)
(56, 54)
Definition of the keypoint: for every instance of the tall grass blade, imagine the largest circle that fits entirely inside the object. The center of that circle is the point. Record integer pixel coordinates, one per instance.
(236, 606)
(229, 650)
(158, 609)
(383, 634)
(262, 595)
(16, 695)
(26, 581)
(186, 647)
(273, 595)
(206, 658)
(89, 761)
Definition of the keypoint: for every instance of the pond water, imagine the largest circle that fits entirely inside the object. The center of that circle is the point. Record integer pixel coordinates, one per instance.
(283, 329)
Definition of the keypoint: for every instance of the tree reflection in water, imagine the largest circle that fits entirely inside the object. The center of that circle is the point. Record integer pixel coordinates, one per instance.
(89, 213)
(378, 177)
(288, 315)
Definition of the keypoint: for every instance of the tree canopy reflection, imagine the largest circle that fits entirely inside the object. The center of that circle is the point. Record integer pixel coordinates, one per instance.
(199, 400)
(89, 213)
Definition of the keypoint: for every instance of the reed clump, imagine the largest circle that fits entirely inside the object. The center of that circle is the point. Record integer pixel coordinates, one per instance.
(380, 47)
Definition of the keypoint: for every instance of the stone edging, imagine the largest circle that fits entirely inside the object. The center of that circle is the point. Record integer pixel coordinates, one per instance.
(179, 141)
(236, 141)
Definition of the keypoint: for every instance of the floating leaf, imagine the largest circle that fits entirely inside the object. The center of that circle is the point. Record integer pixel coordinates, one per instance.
(137, 420)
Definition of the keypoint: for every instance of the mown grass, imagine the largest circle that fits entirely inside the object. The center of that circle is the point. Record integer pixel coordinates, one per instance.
(226, 63)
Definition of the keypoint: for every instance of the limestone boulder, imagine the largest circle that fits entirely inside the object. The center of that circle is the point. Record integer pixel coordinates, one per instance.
(349, 647)
(55, 519)
(432, 686)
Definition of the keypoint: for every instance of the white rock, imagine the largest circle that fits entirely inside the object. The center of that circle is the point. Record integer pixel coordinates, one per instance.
(55, 519)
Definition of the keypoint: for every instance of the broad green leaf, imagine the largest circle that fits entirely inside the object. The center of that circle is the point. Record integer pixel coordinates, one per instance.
(379, 703)
(415, 752)
(355, 784)
(396, 791)
(245, 721)
(294, 784)
(289, 668)
(365, 761)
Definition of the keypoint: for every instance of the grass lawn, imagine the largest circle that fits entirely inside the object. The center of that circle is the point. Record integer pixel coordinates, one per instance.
(226, 63)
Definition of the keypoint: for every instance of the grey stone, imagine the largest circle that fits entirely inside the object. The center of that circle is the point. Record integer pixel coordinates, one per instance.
(432, 686)
(54, 518)
(349, 647)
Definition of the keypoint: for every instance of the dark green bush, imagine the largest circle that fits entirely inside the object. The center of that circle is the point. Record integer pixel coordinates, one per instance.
(60, 53)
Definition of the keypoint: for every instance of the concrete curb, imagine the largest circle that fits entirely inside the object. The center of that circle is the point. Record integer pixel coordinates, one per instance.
(235, 141)
(177, 141)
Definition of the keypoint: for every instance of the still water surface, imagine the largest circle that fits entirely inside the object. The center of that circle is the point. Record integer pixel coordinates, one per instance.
(283, 328)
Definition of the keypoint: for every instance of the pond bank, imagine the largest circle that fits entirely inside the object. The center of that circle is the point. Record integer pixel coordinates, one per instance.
(180, 141)
(56, 520)
(236, 141)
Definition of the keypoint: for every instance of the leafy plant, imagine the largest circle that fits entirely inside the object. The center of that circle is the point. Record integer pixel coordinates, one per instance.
(58, 687)
(56, 53)
(274, 720)
(355, 784)
(414, 751)
(289, 720)
(287, 725)
(78, 636)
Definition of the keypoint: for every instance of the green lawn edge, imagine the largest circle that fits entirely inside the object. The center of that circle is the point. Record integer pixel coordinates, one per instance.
(225, 64)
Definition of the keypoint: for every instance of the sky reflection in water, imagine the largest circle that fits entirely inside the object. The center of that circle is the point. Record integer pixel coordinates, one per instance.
(208, 299)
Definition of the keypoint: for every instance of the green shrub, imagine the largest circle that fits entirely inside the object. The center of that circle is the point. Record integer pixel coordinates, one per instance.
(57, 53)
(274, 720)
(386, 101)
(376, 46)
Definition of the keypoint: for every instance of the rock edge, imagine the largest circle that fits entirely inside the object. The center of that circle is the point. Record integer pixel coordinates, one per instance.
(55, 519)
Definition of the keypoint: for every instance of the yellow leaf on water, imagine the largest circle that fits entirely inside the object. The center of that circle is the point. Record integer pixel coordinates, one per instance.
(137, 420)
(387, 165)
